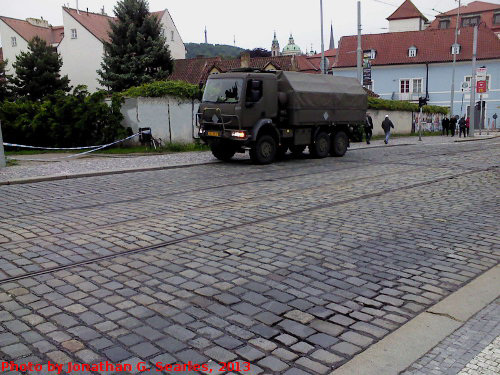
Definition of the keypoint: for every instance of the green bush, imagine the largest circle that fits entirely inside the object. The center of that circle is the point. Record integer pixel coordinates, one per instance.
(179, 89)
(63, 120)
(396, 105)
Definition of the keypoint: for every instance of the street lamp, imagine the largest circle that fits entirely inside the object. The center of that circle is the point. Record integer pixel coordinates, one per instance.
(454, 61)
(323, 62)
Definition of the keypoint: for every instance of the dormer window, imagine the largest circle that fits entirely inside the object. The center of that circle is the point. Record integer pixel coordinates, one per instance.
(373, 54)
(470, 21)
(444, 24)
(369, 54)
(13, 41)
(496, 19)
(455, 49)
(412, 51)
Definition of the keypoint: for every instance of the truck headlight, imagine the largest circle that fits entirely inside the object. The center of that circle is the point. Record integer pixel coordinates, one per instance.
(238, 134)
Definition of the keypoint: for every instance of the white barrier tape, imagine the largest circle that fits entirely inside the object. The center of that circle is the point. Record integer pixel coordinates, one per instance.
(61, 148)
(82, 153)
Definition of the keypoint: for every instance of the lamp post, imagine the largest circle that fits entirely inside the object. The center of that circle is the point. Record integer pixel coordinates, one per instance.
(359, 50)
(323, 62)
(2, 154)
(454, 61)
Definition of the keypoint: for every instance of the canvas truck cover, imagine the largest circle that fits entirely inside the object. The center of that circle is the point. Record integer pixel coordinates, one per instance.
(316, 98)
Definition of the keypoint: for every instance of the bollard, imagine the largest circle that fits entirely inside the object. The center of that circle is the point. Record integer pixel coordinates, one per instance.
(3, 163)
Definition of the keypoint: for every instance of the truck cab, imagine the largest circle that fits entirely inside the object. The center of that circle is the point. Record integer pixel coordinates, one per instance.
(251, 110)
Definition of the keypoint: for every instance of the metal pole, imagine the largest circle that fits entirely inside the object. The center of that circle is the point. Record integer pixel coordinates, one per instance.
(480, 113)
(323, 64)
(488, 128)
(483, 112)
(360, 51)
(454, 62)
(420, 125)
(3, 163)
(473, 85)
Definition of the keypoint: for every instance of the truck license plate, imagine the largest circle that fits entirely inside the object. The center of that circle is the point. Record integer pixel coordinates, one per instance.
(213, 134)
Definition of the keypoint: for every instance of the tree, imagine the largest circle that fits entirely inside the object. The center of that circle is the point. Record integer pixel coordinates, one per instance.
(137, 52)
(5, 89)
(259, 52)
(38, 71)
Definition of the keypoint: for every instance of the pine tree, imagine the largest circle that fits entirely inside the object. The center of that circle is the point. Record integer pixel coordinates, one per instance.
(5, 89)
(137, 52)
(38, 71)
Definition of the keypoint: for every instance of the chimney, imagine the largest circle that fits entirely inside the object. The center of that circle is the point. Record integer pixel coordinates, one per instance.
(38, 22)
(245, 60)
(77, 8)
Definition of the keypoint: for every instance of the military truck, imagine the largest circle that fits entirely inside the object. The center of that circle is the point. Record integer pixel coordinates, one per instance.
(271, 112)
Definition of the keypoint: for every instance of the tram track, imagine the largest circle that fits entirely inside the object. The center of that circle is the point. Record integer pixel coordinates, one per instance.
(240, 225)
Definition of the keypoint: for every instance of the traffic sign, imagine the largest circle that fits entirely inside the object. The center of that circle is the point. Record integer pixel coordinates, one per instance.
(481, 87)
(481, 74)
(466, 86)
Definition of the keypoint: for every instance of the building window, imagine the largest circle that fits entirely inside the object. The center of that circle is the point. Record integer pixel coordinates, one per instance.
(74, 34)
(13, 41)
(417, 85)
(470, 21)
(455, 49)
(468, 79)
(404, 86)
(412, 51)
(172, 35)
(373, 54)
(496, 19)
(370, 86)
(444, 24)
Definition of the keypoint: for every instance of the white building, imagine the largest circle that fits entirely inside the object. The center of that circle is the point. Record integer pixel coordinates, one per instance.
(79, 41)
(407, 18)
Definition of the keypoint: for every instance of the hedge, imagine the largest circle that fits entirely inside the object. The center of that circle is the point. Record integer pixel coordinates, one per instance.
(396, 105)
(179, 89)
(63, 120)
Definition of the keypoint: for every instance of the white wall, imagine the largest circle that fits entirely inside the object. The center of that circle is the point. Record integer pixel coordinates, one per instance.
(177, 47)
(411, 24)
(9, 52)
(169, 118)
(82, 56)
(402, 121)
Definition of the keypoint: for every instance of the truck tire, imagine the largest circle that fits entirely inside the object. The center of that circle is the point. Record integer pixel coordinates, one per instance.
(340, 142)
(321, 146)
(264, 150)
(297, 150)
(223, 151)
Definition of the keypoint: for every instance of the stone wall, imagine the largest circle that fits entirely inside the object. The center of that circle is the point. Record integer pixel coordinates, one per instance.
(171, 119)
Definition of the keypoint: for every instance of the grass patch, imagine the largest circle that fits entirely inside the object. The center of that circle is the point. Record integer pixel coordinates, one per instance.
(169, 147)
(36, 152)
(11, 163)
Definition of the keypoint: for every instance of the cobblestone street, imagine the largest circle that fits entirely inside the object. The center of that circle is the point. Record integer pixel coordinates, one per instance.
(293, 268)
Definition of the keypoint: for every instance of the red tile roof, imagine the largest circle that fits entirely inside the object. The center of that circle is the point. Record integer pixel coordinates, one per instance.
(197, 70)
(315, 60)
(485, 10)
(405, 11)
(432, 46)
(98, 24)
(52, 35)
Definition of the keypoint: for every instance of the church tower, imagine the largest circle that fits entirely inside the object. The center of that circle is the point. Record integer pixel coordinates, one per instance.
(332, 40)
(275, 49)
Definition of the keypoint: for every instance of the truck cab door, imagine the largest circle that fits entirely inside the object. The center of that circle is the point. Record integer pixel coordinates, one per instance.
(254, 103)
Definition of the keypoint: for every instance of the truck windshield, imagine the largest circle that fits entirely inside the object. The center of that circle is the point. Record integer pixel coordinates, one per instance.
(225, 90)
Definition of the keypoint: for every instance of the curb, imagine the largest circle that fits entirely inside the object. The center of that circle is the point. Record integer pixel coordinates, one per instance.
(475, 138)
(97, 174)
(401, 348)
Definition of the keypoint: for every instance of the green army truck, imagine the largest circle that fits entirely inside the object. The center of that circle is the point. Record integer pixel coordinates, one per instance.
(269, 113)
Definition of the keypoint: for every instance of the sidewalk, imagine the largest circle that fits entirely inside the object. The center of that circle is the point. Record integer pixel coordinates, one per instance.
(107, 164)
(473, 349)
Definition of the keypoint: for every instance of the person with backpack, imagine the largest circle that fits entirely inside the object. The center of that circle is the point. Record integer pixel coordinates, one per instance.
(453, 125)
(445, 124)
(387, 125)
(368, 128)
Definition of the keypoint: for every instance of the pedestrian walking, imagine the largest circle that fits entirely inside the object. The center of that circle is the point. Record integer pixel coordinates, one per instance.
(445, 123)
(387, 125)
(462, 127)
(453, 125)
(467, 125)
(368, 128)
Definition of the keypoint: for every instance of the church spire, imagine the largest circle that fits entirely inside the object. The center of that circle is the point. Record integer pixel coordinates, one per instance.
(332, 40)
(275, 48)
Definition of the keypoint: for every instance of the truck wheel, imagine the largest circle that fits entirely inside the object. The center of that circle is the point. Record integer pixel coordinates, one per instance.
(321, 146)
(340, 142)
(264, 150)
(223, 152)
(297, 150)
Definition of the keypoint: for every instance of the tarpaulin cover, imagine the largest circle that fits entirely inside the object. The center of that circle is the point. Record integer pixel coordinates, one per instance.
(322, 98)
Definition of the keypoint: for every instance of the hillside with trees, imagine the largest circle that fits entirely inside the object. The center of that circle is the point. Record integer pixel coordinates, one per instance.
(212, 50)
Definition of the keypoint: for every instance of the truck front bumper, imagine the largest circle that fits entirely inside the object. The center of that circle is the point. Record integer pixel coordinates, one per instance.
(240, 136)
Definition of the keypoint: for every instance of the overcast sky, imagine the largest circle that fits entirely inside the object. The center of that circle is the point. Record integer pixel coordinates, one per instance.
(252, 25)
